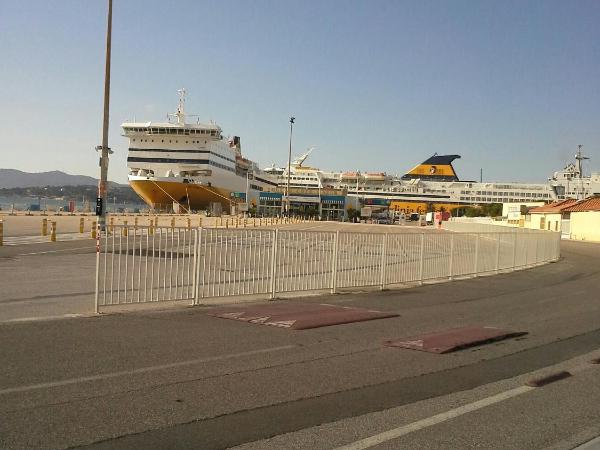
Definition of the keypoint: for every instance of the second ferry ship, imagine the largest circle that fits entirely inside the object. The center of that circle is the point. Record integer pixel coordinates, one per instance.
(434, 184)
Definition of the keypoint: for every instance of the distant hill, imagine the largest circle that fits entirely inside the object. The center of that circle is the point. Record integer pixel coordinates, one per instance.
(12, 178)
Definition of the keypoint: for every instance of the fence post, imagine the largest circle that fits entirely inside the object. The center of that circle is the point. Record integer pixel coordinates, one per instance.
(421, 257)
(273, 262)
(97, 286)
(526, 250)
(196, 280)
(383, 257)
(514, 264)
(450, 268)
(498, 253)
(476, 255)
(334, 262)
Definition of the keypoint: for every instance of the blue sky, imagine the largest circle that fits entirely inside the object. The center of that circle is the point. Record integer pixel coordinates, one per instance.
(512, 86)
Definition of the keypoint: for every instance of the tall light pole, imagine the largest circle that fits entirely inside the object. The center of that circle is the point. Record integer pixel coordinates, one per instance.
(289, 166)
(104, 149)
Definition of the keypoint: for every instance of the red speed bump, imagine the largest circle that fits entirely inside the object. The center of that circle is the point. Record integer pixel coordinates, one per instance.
(299, 316)
(454, 339)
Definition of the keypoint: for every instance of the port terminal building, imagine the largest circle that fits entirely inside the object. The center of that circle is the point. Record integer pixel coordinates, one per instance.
(326, 203)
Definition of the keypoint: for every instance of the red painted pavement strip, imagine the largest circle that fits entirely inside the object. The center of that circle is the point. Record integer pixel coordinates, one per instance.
(454, 339)
(299, 316)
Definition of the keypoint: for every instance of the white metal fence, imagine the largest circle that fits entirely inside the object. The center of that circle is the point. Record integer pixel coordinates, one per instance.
(144, 264)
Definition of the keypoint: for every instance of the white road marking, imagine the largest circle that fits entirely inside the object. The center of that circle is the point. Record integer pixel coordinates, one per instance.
(52, 384)
(56, 251)
(594, 444)
(63, 237)
(41, 318)
(434, 420)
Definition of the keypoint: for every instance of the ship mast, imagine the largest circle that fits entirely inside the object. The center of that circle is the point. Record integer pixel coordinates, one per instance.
(580, 157)
(181, 108)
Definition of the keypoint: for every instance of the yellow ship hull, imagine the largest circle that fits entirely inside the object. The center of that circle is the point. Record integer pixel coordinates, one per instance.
(163, 195)
(422, 207)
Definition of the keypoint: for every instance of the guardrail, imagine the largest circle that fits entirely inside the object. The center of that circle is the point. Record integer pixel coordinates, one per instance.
(146, 264)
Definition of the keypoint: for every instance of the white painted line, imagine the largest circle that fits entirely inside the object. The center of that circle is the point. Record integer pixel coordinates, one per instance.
(55, 251)
(594, 444)
(434, 420)
(104, 376)
(41, 318)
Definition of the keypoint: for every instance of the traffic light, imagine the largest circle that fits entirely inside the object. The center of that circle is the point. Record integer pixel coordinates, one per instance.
(99, 206)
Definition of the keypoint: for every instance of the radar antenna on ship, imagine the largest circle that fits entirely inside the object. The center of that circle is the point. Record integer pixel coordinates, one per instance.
(180, 114)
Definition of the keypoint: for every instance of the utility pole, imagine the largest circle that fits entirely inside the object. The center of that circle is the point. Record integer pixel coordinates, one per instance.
(104, 149)
(287, 194)
(580, 158)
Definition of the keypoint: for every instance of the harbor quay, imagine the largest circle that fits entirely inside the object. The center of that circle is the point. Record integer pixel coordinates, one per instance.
(22, 225)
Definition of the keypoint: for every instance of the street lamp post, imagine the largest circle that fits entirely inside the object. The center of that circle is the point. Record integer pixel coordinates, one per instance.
(248, 192)
(104, 149)
(287, 194)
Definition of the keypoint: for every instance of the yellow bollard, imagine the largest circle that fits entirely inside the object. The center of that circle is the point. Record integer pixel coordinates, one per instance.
(125, 230)
(44, 227)
(135, 223)
(189, 223)
(172, 222)
(226, 223)
(53, 231)
(112, 224)
(1, 233)
(151, 227)
(245, 223)
(93, 230)
(81, 225)
(200, 222)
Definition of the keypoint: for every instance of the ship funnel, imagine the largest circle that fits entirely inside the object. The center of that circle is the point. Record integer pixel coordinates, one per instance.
(435, 168)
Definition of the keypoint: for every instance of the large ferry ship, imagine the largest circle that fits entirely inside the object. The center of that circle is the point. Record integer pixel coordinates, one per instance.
(188, 166)
(435, 184)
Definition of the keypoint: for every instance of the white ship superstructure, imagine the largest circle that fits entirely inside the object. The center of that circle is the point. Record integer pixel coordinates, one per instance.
(435, 182)
(188, 165)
